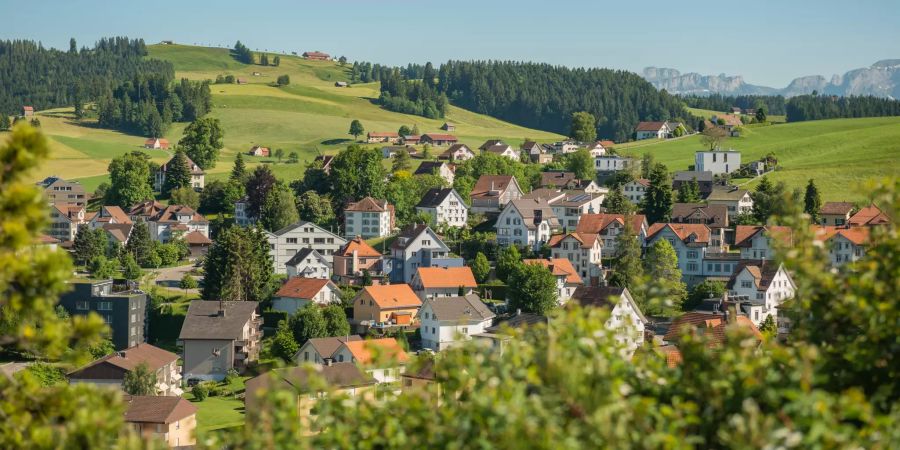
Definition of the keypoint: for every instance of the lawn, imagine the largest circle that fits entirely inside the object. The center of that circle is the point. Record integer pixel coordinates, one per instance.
(707, 113)
(215, 413)
(839, 154)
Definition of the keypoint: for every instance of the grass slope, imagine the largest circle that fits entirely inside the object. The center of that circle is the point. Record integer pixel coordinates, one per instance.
(839, 154)
(309, 116)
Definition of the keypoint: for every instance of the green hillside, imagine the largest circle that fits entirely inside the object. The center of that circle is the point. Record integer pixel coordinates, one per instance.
(310, 115)
(838, 154)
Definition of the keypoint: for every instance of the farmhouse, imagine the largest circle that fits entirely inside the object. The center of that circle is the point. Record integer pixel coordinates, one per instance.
(369, 218)
(316, 56)
(341, 84)
(655, 130)
(258, 150)
(447, 126)
(157, 143)
(503, 150)
(375, 137)
(835, 214)
(411, 139)
(27, 111)
(439, 139)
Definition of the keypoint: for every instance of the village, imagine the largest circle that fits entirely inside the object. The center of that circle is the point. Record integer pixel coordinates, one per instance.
(372, 302)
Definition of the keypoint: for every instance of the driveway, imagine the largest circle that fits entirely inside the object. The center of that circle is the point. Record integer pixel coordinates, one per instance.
(170, 277)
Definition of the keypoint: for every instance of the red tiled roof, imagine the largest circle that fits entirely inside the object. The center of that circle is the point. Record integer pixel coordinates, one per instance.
(586, 240)
(440, 137)
(486, 182)
(595, 223)
(365, 351)
(870, 215)
(197, 238)
(386, 134)
(713, 325)
(649, 126)
(558, 267)
(368, 204)
(361, 247)
(607, 144)
(393, 295)
(303, 288)
(157, 409)
(131, 357)
(682, 230)
(856, 235)
(743, 234)
(446, 277)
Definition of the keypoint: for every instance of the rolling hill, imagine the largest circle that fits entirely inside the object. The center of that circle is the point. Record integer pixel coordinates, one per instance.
(308, 116)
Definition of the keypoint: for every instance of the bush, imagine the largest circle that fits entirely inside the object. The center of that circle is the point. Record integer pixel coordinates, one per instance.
(284, 80)
(200, 392)
(230, 376)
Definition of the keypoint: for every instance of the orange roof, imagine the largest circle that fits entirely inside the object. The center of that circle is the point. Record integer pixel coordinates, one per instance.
(558, 267)
(743, 233)
(713, 325)
(366, 351)
(870, 215)
(682, 230)
(446, 277)
(607, 144)
(197, 238)
(595, 223)
(301, 287)
(856, 235)
(359, 246)
(586, 240)
(382, 134)
(368, 204)
(393, 296)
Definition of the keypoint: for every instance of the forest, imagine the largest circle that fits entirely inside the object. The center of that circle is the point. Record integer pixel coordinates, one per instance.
(717, 102)
(818, 107)
(44, 78)
(148, 104)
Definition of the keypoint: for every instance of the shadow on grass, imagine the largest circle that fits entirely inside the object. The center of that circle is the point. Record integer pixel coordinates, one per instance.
(336, 141)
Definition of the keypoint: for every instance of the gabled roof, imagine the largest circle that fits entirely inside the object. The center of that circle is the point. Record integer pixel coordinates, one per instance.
(193, 167)
(446, 277)
(429, 167)
(489, 143)
(157, 409)
(528, 146)
(534, 212)
(558, 179)
(498, 149)
(689, 175)
(440, 137)
(606, 143)
(713, 325)
(197, 238)
(129, 358)
(726, 193)
(486, 184)
(393, 296)
(763, 273)
(715, 216)
(146, 208)
(467, 308)
(68, 209)
(340, 375)
(119, 231)
(642, 181)
(683, 231)
(387, 134)
(367, 350)
(304, 253)
(559, 267)
(870, 215)
(600, 296)
(361, 247)
(455, 148)
(203, 321)
(856, 235)
(326, 346)
(520, 320)
(586, 240)
(575, 198)
(302, 288)
(304, 223)
(649, 126)
(412, 233)
(743, 234)
(596, 223)
(436, 196)
(836, 208)
(368, 204)
(171, 213)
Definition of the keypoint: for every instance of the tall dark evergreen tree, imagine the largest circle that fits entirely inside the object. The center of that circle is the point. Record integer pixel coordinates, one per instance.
(259, 184)
(238, 266)
(178, 173)
(242, 53)
(140, 245)
(812, 201)
(239, 170)
(657, 203)
(617, 203)
(689, 192)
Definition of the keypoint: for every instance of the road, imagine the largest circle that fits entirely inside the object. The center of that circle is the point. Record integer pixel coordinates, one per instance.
(170, 277)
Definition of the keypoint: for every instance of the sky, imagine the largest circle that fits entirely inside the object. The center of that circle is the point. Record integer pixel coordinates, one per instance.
(768, 42)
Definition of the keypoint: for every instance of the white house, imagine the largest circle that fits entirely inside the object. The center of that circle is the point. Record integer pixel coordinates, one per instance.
(635, 190)
(177, 220)
(438, 168)
(597, 149)
(567, 278)
(308, 263)
(383, 358)
(765, 285)
(107, 215)
(65, 218)
(492, 193)
(286, 242)
(754, 241)
(369, 218)
(505, 150)
(242, 216)
(298, 292)
(583, 250)
(610, 164)
(737, 200)
(653, 130)
(717, 161)
(844, 245)
(446, 321)
(691, 242)
(433, 282)
(625, 317)
(197, 175)
(565, 147)
(316, 350)
(445, 206)
(571, 206)
(608, 227)
(526, 222)
(457, 152)
(418, 246)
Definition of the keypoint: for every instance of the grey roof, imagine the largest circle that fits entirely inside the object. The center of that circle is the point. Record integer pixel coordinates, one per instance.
(530, 145)
(338, 375)
(490, 143)
(688, 175)
(204, 322)
(303, 254)
(727, 193)
(466, 308)
(518, 321)
(301, 223)
(326, 346)
(534, 211)
(715, 216)
(434, 197)
(428, 167)
(599, 296)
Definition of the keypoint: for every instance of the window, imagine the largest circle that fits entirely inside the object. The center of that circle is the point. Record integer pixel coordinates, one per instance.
(746, 284)
(104, 306)
(291, 240)
(465, 330)
(692, 254)
(82, 305)
(692, 267)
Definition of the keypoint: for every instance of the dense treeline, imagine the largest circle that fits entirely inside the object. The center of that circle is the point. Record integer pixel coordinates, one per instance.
(544, 97)
(365, 72)
(815, 107)
(148, 104)
(419, 97)
(775, 104)
(48, 78)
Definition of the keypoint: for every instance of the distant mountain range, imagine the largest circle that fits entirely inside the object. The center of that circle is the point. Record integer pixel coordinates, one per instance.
(881, 79)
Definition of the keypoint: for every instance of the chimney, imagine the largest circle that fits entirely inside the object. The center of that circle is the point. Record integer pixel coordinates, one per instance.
(221, 312)
(329, 362)
(122, 353)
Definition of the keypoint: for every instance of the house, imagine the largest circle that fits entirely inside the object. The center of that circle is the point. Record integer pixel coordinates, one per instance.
(157, 143)
(491, 193)
(117, 233)
(608, 227)
(325, 161)
(308, 263)
(57, 190)
(844, 244)
(635, 190)
(758, 167)
(341, 84)
(447, 126)
(392, 304)
(319, 350)
(713, 216)
(145, 210)
(433, 282)
(729, 122)
(625, 317)
(653, 130)
(705, 180)
(869, 216)
(717, 161)
(356, 258)
(596, 149)
(27, 111)
(177, 220)
(712, 326)
(504, 150)
(536, 152)
(419, 246)
(420, 378)
(496, 337)
(438, 139)
(258, 150)
(560, 180)
(122, 306)
(107, 215)
(384, 359)
(374, 137)
(306, 386)
(390, 151)
(445, 206)
(836, 214)
(610, 164)
(583, 250)
(46, 241)
(316, 56)
(448, 321)
(369, 218)
(242, 216)
(736, 110)
(765, 286)
(738, 201)
(286, 242)
(172, 420)
(217, 337)
(691, 243)
(412, 139)
(528, 222)
(65, 218)
(198, 177)
(565, 147)
(489, 143)
(457, 152)
(569, 208)
(198, 243)
(111, 369)
(438, 168)
(567, 278)
(298, 292)
(755, 241)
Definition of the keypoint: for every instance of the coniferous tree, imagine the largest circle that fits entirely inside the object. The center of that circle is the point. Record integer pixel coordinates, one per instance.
(178, 173)
(86, 246)
(689, 192)
(4, 122)
(617, 203)
(284, 345)
(239, 170)
(768, 200)
(259, 184)
(238, 266)
(657, 203)
(812, 201)
(130, 268)
(276, 61)
(401, 161)
(628, 270)
(242, 53)
(140, 245)
(661, 267)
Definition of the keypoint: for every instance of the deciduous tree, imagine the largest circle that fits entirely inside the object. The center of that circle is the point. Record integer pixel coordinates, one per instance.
(532, 288)
(661, 267)
(481, 267)
(279, 209)
(308, 323)
(140, 381)
(582, 164)
(584, 127)
(507, 260)
(712, 137)
(129, 177)
(356, 129)
(202, 141)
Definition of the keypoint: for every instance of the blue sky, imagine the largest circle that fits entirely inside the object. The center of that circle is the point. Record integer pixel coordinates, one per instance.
(769, 42)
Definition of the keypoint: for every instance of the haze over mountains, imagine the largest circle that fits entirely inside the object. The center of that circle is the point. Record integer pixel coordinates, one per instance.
(881, 79)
